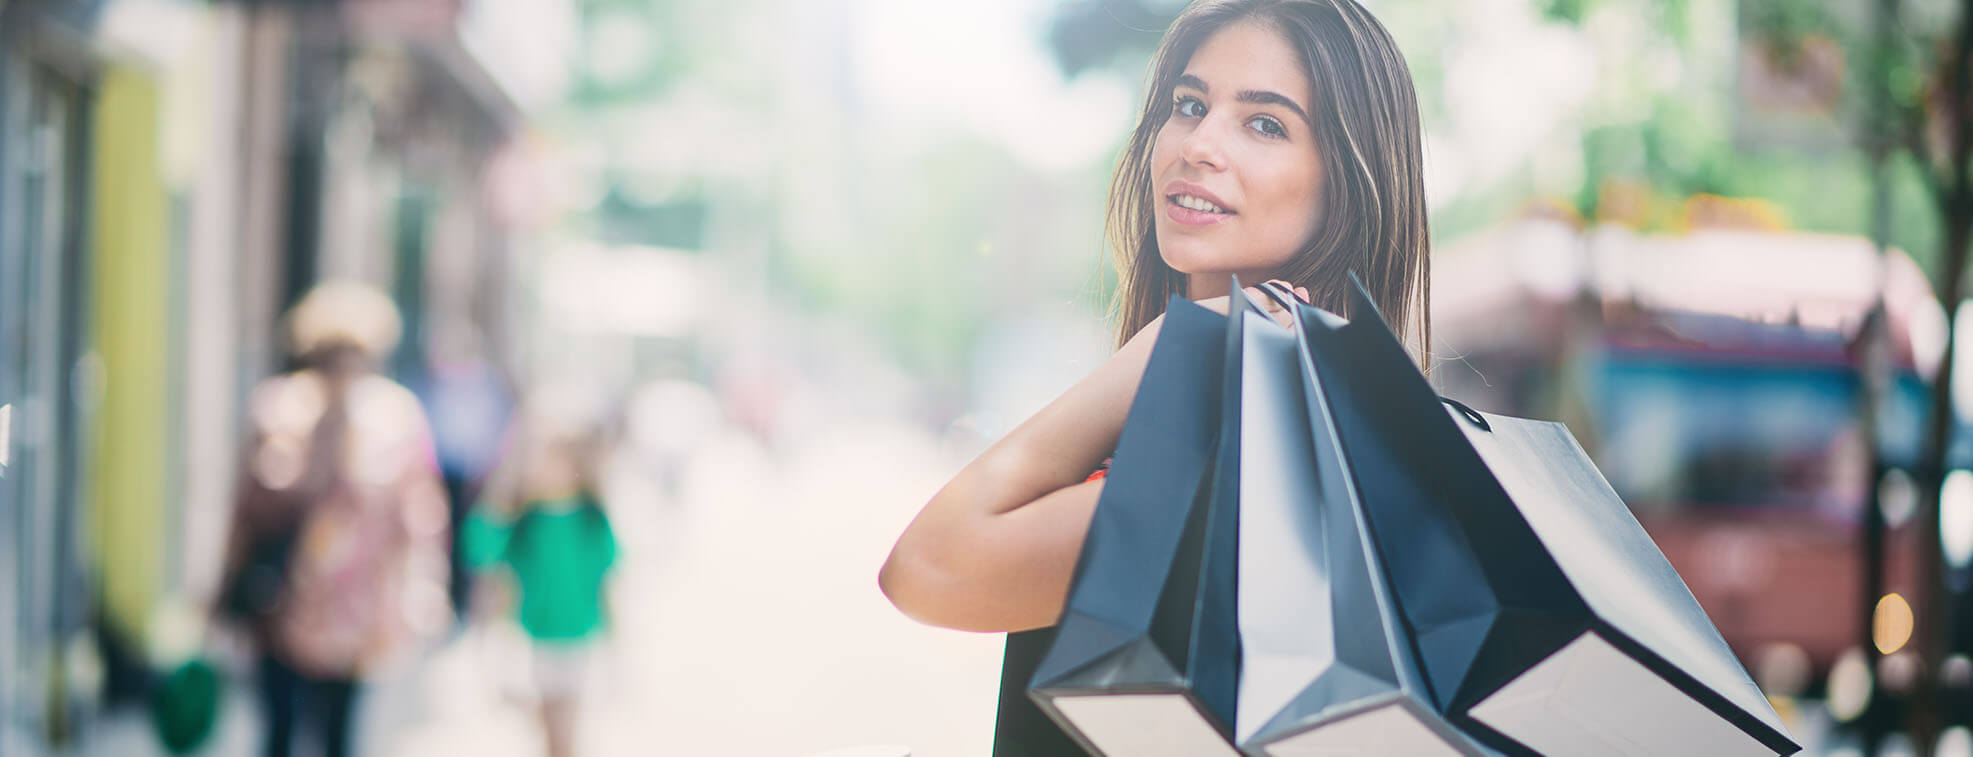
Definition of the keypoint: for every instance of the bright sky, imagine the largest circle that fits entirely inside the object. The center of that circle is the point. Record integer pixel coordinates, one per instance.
(982, 67)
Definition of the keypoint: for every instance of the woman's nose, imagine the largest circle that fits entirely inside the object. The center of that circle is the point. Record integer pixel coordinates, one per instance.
(1202, 146)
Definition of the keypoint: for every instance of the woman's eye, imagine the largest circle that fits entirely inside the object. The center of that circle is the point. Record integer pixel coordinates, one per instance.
(1189, 107)
(1269, 126)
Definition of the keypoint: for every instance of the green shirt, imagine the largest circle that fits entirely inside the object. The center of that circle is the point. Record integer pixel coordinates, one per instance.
(559, 552)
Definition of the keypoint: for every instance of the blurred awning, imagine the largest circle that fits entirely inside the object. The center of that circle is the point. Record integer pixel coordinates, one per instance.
(1818, 282)
(428, 30)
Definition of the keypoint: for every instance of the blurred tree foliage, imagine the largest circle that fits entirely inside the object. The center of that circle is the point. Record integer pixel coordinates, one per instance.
(1091, 34)
(1822, 184)
(913, 271)
(1670, 16)
(1714, 142)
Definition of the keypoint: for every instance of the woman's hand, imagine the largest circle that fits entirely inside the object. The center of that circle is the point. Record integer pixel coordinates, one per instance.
(1274, 309)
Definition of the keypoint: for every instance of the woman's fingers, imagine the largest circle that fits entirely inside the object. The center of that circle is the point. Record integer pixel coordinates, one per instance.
(1288, 286)
(1267, 302)
(1300, 292)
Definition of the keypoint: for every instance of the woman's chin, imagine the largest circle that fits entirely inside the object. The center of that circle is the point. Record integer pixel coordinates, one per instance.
(1198, 262)
(1188, 257)
(1194, 257)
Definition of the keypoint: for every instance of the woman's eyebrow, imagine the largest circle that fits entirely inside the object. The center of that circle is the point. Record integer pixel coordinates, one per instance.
(1256, 96)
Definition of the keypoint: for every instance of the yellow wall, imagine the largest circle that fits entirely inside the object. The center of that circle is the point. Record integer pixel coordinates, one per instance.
(130, 283)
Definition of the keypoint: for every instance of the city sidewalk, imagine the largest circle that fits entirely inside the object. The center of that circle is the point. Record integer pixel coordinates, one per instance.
(747, 622)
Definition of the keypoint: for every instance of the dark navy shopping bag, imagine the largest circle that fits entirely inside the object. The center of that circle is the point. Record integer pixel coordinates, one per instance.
(1543, 617)
(1145, 657)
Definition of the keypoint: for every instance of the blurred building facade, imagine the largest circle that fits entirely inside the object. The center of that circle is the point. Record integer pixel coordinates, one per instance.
(172, 176)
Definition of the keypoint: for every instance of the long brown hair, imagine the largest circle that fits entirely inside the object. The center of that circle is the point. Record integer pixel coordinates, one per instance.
(1367, 131)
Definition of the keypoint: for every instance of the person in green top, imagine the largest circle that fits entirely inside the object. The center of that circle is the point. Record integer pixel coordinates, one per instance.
(552, 540)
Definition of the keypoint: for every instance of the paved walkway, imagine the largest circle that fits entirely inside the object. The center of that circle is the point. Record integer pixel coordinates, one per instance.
(748, 622)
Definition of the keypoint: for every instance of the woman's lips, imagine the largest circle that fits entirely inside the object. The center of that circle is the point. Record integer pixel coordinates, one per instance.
(1189, 217)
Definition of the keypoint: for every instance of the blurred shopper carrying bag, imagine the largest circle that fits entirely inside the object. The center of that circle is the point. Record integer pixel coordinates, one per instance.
(336, 560)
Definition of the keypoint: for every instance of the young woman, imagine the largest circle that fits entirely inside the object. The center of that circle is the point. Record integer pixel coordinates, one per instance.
(1279, 140)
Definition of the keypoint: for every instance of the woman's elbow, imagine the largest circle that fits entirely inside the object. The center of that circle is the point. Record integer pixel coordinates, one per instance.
(895, 585)
(932, 583)
(911, 580)
(950, 566)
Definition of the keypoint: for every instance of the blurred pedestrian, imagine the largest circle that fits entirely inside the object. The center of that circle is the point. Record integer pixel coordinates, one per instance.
(469, 404)
(336, 563)
(544, 525)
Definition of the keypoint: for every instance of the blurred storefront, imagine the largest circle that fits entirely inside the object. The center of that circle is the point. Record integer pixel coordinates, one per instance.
(44, 146)
(1717, 377)
(173, 174)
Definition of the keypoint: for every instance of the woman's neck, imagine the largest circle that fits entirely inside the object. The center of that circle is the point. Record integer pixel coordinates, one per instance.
(1202, 286)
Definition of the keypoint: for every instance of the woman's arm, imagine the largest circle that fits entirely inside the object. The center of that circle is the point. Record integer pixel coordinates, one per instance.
(995, 549)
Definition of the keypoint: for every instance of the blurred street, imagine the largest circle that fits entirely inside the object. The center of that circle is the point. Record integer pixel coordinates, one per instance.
(709, 655)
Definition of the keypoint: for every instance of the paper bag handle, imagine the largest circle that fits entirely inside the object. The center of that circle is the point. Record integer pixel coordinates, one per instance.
(1286, 299)
(1281, 296)
(1469, 413)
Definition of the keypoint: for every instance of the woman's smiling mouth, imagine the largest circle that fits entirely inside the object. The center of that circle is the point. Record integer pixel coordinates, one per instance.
(1189, 204)
(1191, 210)
(1192, 202)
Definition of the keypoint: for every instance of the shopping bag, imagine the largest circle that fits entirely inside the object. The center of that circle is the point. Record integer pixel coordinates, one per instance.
(184, 705)
(1544, 618)
(1021, 729)
(1327, 666)
(1145, 659)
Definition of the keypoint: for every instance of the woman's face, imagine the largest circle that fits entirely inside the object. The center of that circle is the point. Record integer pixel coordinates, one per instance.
(1234, 170)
